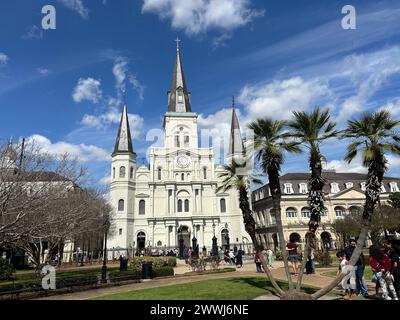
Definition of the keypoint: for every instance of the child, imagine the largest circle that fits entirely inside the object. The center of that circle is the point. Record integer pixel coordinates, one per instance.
(381, 266)
(349, 281)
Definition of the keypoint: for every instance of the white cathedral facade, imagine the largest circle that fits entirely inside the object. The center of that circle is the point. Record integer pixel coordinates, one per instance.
(174, 199)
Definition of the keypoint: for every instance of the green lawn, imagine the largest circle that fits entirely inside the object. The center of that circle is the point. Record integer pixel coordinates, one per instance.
(218, 289)
(367, 273)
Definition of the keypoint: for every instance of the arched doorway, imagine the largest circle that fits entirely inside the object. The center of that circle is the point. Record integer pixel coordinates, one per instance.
(225, 239)
(184, 236)
(141, 241)
(326, 239)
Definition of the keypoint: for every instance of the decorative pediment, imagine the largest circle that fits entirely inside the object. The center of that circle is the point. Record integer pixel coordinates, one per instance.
(142, 195)
(348, 194)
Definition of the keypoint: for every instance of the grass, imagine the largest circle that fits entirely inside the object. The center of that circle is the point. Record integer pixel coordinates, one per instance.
(245, 288)
(367, 273)
(25, 278)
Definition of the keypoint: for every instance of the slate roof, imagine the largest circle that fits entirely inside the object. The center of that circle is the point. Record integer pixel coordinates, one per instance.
(331, 177)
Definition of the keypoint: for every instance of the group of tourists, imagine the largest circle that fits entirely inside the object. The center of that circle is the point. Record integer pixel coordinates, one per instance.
(385, 267)
(231, 258)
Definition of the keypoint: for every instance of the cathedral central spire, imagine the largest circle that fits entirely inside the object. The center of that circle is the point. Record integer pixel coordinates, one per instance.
(236, 146)
(123, 144)
(178, 95)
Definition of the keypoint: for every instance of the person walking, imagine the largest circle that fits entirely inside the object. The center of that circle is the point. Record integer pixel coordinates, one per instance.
(239, 259)
(395, 261)
(257, 261)
(269, 257)
(359, 267)
(293, 258)
(381, 266)
(310, 265)
(231, 256)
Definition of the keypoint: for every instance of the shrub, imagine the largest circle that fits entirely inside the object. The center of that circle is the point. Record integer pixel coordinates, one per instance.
(76, 281)
(278, 255)
(198, 265)
(6, 269)
(137, 262)
(323, 258)
(166, 271)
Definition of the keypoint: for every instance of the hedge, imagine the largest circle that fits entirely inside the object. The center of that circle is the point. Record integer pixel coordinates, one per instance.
(157, 262)
(163, 272)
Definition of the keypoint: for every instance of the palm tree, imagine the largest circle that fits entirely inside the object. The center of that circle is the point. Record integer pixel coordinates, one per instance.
(373, 136)
(310, 130)
(270, 144)
(235, 176)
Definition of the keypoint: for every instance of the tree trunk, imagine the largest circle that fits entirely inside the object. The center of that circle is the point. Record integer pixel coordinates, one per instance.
(275, 187)
(374, 182)
(250, 227)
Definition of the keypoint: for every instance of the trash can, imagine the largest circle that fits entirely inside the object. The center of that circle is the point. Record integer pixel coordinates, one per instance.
(147, 268)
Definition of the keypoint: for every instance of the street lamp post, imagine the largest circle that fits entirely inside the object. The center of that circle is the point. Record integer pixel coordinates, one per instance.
(104, 268)
(214, 243)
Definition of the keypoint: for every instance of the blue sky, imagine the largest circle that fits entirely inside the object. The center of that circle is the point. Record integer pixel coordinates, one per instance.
(63, 87)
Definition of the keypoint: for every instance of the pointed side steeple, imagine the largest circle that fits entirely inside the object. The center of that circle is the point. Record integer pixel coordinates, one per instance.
(236, 145)
(123, 144)
(178, 95)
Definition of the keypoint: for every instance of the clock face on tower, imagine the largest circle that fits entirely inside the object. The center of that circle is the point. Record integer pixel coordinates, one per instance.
(182, 161)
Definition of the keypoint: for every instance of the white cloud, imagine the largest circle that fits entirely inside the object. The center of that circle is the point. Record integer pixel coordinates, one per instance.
(199, 16)
(77, 6)
(43, 71)
(280, 98)
(393, 107)
(82, 151)
(106, 180)
(34, 32)
(87, 89)
(368, 73)
(217, 126)
(113, 116)
(3, 58)
(121, 74)
(355, 166)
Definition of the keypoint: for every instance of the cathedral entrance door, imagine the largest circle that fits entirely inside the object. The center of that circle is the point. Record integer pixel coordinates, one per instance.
(183, 237)
(141, 241)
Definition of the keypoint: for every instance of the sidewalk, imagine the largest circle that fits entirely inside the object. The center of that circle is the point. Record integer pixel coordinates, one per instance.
(248, 270)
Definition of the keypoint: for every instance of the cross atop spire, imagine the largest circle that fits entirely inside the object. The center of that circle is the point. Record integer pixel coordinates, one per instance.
(178, 95)
(177, 43)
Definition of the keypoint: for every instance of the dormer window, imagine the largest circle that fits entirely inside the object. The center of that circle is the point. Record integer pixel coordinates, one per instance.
(363, 186)
(335, 187)
(349, 185)
(180, 96)
(303, 188)
(288, 188)
(394, 187)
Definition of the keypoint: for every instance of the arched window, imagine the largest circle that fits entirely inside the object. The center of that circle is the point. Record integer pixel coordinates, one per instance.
(179, 205)
(142, 207)
(113, 173)
(159, 244)
(131, 172)
(177, 142)
(222, 203)
(121, 205)
(339, 212)
(186, 205)
(186, 141)
(180, 96)
(291, 213)
(122, 172)
(205, 173)
(183, 177)
(305, 213)
(159, 174)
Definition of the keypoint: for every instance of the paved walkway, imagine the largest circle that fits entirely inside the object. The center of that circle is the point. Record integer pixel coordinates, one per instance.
(248, 270)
